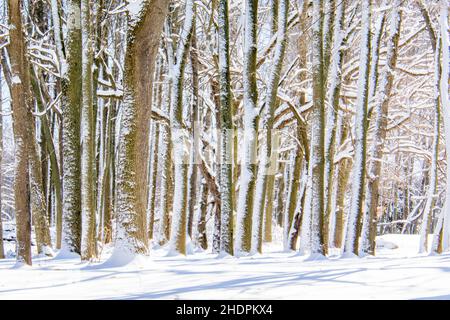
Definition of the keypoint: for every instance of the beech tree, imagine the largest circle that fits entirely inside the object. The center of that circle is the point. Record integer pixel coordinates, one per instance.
(145, 25)
(226, 144)
(71, 94)
(247, 178)
(359, 165)
(21, 106)
(179, 217)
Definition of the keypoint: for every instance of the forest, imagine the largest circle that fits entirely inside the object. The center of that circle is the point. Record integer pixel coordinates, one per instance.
(226, 127)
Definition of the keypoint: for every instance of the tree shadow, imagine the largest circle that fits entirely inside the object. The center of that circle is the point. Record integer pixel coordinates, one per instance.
(273, 280)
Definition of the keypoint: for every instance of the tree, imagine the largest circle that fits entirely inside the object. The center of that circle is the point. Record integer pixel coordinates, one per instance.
(359, 164)
(247, 178)
(88, 244)
(267, 166)
(318, 135)
(425, 227)
(441, 239)
(21, 106)
(71, 101)
(333, 98)
(179, 218)
(380, 112)
(226, 126)
(145, 25)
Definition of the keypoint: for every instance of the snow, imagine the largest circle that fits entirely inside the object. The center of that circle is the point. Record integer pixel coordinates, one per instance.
(134, 8)
(16, 79)
(394, 274)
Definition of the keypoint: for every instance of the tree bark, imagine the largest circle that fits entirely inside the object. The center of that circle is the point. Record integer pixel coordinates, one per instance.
(71, 106)
(248, 167)
(226, 133)
(267, 167)
(318, 245)
(21, 105)
(376, 152)
(181, 159)
(359, 167)
(143, 38)
(88, 243)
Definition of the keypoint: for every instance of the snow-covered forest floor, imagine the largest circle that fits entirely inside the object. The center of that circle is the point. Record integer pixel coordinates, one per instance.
(395, 273)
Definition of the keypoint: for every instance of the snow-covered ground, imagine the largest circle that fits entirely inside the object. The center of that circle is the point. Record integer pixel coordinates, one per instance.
(396, 273)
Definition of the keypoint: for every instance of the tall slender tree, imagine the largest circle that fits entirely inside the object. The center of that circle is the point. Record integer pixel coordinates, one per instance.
(318, 135)
(179, 217)
(247, 179)
(145, 25)
(380, 111)
(71, 107)
(266, 166)
(21, 105)
(226, 132)
(88, 244)
(359, 166)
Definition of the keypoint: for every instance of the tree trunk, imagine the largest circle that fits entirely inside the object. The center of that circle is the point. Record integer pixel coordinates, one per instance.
(376, 152)
(425, 227)
(202, 238)
(333, 99)
(226, 133)
(152, 201)
(196, 134)
(21, 105)
(318, 245)
(144, 32)
(266, 167)
(248, 166)
(342, 175)
(441, 242)
(359, 166)
(71, 106)
(181, 159)
(88, 243)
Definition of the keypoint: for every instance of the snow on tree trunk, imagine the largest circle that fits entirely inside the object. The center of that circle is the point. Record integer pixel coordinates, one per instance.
(37, 195)
(425, 226)
(342, 174)
(88, 242)
(305, 236)
(247, 179)
(202, 239)
(265, 167)
(71, 106)
(226, 131)
(166, 192)
(369, 227)
(20, 106)
(317, 134)
(441, 238)
(180, 156)
(333, 98)
(154, 176)
(196, 131)
(54, 165)
(299, 208)
(359, 164)
(146, 19)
